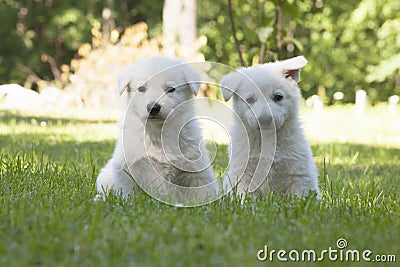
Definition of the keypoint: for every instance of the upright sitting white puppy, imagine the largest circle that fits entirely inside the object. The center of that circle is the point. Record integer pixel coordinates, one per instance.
(266, 99)
(160, 146)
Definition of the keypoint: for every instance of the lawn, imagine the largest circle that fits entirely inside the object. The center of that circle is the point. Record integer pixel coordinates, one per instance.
(48, 216)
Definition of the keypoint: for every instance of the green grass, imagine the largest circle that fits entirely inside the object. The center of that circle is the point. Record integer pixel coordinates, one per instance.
(48, 168)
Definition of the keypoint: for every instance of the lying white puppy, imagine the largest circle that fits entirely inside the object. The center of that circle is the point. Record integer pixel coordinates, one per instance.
(266, 98)
(160, 146)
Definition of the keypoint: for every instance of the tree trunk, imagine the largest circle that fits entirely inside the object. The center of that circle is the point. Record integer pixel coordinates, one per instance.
(233, 28)
(171, 18)
(179, 28)
(279, 22)
(187, 34)
(108, 24)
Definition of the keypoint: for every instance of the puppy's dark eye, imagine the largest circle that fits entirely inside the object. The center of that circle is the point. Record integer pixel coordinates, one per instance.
(251, 100)
(141, 89)
(277, 97)
(170, 89)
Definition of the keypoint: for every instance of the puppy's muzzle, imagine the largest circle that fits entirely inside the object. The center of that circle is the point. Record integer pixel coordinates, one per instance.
(265, 121)
(153, 108)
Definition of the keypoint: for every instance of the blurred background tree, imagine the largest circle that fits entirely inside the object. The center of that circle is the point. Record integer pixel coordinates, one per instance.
(350, 45)
(39, 36)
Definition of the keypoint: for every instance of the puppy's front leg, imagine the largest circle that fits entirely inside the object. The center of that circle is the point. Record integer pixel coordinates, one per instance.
(302, 186)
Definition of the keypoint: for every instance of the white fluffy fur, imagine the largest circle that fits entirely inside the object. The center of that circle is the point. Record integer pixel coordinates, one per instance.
(293, 170)
(140, 148)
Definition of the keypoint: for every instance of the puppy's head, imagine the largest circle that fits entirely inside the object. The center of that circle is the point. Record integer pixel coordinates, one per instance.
(265, 96)
(157, 85)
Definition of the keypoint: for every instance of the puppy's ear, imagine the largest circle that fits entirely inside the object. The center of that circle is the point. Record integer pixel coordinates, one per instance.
(124, 78)
(192, 77)
(229, 84)
(291, 67)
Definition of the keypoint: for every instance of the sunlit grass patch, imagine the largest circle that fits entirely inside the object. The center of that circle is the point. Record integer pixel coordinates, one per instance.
(49, 216)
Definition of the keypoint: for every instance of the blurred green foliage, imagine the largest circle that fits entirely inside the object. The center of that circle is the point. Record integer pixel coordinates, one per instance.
(31, 28)
(350, 45)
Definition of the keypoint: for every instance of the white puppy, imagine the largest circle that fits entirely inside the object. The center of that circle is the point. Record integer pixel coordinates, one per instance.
(160, 146)
(266, 98)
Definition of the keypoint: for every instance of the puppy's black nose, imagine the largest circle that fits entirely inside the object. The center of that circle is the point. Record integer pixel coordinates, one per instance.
(153, 108)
